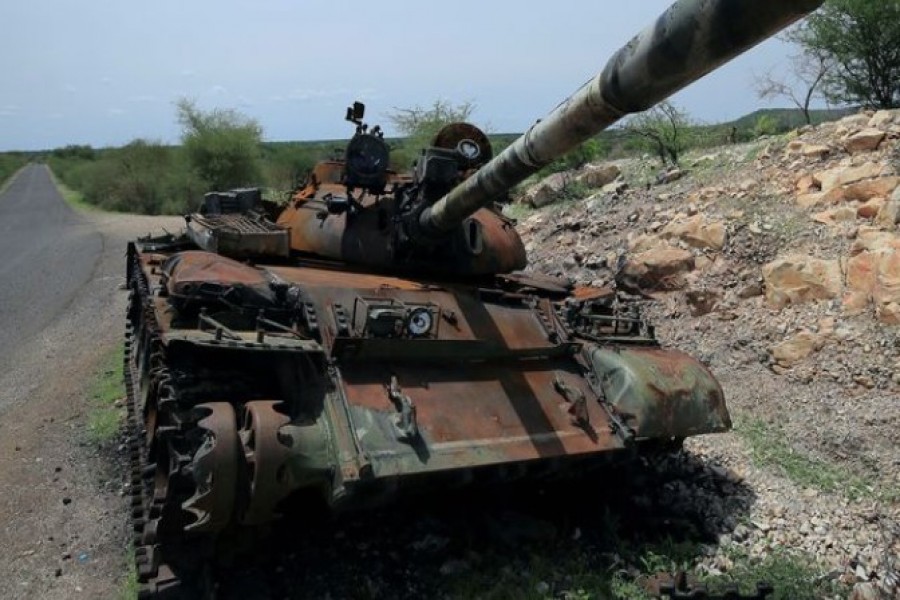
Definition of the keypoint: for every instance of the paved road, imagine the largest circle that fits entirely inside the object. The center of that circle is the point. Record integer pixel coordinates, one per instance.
(47, 253)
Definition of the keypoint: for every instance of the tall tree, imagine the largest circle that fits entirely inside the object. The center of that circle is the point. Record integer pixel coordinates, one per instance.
(862, 38)
(222, 145)
(803, 82)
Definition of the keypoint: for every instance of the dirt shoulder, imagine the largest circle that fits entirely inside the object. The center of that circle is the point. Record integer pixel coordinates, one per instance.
(64, 530)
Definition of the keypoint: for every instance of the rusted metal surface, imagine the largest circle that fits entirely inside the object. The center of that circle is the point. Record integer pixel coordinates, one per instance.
(238, 236)
(215, 470)
(266, 457)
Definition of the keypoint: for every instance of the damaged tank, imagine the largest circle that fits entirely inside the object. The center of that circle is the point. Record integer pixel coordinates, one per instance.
(377, 334)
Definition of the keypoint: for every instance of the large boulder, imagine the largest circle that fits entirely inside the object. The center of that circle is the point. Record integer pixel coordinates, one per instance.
(882, 119)
(662, 267)
(861, 271)
(886, 292)
(873, 275)
(596, 176)
(547, 191)
(838, 176)
(697, 232)
(793, 350)
(889, 214)
(866, 140)
(798, 279)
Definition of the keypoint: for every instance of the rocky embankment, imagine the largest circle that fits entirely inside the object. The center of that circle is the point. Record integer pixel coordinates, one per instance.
(777, 263)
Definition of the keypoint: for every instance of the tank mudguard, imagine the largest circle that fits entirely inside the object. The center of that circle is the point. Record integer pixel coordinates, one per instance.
(660, 393)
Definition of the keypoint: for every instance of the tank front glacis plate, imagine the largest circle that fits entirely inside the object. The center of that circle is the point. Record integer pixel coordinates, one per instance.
(485, 387)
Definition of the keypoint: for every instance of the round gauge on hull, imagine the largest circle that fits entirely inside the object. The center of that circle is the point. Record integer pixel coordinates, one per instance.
(419, 322)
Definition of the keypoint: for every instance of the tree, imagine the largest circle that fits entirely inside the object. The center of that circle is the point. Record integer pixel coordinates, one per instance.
(223, 146)
(663, 129)
(420, 124)
(808, 69)
(862, 39)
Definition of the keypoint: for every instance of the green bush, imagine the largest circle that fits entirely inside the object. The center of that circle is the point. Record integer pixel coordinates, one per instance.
(142, 177)
(766, 125)
(223, 146)
(10, 162)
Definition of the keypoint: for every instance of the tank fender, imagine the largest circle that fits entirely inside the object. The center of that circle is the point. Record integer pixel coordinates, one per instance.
(660, 393)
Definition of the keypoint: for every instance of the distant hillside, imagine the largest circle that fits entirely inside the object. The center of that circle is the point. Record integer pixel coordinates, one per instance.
(790, 118)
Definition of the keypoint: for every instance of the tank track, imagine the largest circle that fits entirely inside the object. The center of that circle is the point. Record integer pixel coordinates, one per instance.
(156, 571)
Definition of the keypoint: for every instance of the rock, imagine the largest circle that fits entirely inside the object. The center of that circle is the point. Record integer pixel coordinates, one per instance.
(838, 176)
(615, 188)
(702, 302)
(659, 268)
(807, 184)
(863, 191)
(751, 290)
(881, 120)
(810, 199)
(889, 215)
(815, 151)
(855, 121)
(866, 140)
(596, 176)
(835, 216)
(865, 591)
(886, 291)
(697, 232)
(669, 175)
(798, 279)
(861, 271)
(749, 184)
(870, 209)
(799, 147)
(644, 242)
(793, 350)
(547, 191)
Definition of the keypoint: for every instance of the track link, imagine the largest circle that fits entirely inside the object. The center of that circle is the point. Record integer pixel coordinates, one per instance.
(156, 577)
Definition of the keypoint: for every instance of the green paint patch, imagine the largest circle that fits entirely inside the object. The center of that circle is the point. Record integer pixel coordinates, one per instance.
(104, 417)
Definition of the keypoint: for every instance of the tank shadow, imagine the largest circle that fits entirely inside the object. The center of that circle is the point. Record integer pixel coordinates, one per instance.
(498, 542)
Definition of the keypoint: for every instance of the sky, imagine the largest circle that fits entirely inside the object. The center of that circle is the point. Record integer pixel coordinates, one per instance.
(105, 73)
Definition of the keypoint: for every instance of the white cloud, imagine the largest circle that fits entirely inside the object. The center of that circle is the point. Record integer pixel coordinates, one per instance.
(10, 110)
(187, 72)
(143, 99)
(115, 112)
(106, 80)
(69, 88)
(218, 90)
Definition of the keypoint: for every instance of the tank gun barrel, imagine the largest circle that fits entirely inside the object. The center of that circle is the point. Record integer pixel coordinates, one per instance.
(692, 38)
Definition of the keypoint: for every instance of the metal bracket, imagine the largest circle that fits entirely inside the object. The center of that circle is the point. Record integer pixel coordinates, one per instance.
(405, 422)
(576, 399)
